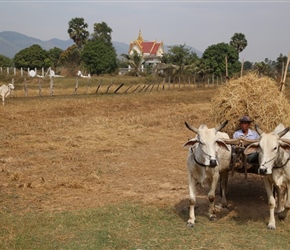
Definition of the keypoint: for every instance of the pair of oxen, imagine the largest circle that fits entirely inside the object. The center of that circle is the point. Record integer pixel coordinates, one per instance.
(209, 158)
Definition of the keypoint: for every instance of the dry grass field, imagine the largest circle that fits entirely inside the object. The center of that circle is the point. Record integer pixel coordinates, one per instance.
(78, 152)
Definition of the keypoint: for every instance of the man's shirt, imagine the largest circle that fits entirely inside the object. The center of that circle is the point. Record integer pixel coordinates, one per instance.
(252, 134)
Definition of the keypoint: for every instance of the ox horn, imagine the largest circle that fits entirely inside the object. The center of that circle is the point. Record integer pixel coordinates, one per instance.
(232, 141)
(239, 141)
(283, 132)
(249, 141)
(260, 131)
(190, 128)
(218, 128)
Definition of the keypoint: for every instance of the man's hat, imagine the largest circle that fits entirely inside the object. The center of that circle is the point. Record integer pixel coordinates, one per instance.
(245, 119)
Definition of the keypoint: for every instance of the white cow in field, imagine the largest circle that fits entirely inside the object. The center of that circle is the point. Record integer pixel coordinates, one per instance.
(274, 164)
(208, 158)
(5, 91)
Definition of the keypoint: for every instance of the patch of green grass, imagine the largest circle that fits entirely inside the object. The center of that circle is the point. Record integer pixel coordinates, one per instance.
(131, 226)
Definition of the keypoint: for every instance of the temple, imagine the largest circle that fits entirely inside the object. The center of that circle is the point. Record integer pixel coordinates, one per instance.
(151, 52)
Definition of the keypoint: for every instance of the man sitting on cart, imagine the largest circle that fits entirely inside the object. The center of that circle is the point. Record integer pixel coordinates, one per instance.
(247, 133)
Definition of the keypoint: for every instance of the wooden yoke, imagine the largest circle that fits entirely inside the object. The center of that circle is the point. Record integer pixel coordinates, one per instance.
(238, 156)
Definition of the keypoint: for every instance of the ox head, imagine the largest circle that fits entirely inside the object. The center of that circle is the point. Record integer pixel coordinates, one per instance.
(268, 147)
(10, 86)
(206, 143)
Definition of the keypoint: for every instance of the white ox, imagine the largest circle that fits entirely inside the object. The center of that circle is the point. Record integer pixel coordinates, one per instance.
(5, 91)
(274, 164)
(208, 158)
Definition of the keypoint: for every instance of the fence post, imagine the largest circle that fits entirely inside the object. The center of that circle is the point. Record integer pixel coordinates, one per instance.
(147, 87)
(99, 86)
(152, 86)
(7, 70)
(25, 87)
(128, 88)
(51, 86)
(142, 88)
(12, 91)
(135, 88)
(88, 83)
(119, 88)
(109, 86)
(77, 85)
(39, 87)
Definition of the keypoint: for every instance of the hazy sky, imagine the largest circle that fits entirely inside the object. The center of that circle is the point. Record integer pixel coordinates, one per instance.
(266, 24)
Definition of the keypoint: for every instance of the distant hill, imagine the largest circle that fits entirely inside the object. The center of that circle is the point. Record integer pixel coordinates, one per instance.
(12, 42)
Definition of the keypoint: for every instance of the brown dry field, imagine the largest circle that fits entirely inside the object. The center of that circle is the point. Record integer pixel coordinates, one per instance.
(76, 152)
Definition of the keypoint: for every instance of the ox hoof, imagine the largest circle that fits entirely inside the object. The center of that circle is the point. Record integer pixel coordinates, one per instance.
(282, 215)
(212, 218)
(190, 224)
(271, 227)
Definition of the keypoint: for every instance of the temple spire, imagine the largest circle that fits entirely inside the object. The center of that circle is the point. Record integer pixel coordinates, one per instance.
(140, 38)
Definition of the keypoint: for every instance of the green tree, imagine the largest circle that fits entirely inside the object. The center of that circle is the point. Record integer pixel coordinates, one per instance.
(71, 58)
(54, 55)
(5, 61)
(102, 32)
(191, 63)
(248, 65)
(281, 63)
(78, 31)
(182, 57)
(99, 57)
(215, 59)
(239, 42)
(32, 57)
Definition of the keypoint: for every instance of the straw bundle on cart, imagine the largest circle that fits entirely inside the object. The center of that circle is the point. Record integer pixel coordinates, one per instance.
(257, 97)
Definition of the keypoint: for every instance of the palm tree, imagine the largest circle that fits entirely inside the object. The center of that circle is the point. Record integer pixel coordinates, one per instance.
(77, 31)
(263, 69)
(239, 42)
(135, 61)
(166, 69)
(201, 70)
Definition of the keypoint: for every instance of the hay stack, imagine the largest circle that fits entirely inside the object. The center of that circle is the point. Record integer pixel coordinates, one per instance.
(257, 97)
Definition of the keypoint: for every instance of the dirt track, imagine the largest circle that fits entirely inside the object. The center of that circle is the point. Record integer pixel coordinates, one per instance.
(86, 151)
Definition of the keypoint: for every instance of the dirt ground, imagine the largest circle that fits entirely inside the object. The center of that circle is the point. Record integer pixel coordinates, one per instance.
(78, 152)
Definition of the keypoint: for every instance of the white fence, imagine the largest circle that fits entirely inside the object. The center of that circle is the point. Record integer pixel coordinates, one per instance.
(21, 72)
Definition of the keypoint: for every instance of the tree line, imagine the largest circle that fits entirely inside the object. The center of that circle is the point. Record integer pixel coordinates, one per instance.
(95, 54)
